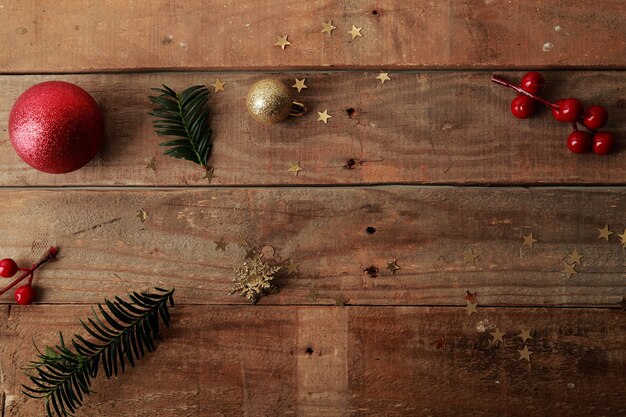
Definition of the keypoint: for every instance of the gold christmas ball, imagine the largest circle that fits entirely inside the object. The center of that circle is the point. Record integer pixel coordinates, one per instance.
(269, 101)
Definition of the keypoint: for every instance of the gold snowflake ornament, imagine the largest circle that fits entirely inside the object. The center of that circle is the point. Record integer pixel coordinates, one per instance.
(255, 279)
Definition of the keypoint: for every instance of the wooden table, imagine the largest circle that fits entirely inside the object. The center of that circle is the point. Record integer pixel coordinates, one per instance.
(440, 167)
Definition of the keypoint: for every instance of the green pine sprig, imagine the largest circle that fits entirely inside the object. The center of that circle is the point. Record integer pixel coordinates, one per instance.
(184, 116)
(122, 333)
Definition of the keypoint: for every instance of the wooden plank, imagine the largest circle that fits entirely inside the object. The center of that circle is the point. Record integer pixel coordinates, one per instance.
(49, 36)
(105, 248)
(373, 361)
(428, 128)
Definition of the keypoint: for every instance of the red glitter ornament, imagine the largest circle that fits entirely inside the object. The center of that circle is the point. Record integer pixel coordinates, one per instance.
(56, 127)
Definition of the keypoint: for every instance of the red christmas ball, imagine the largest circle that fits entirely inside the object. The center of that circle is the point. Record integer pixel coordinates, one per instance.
(56, 127)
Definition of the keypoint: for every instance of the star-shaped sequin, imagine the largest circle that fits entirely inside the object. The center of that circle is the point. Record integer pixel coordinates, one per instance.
(208, 174)
(622, 238)
(355, 31)
(525, 335)
(251, 253)
(151, 164)
(393, 266)
(575, 257)
(605, 233)
(470, 257)
(299, 85)
(143, 215)
(497, 336)
(341, 300)
(383, 76)
(525, 353)
(282, 41)
(568, 269)
(220, 245)
(218, 85)
(529, 240)
(292, 268)
(294, 168)
(313, 294)
(323, 116)
(328, 27)
(471, 308)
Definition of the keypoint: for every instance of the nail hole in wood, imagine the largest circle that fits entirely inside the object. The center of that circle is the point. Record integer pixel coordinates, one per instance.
(350, 111)
(309, 350)
(370, 230)
(372, 271)
(350, 163)
(375, 12)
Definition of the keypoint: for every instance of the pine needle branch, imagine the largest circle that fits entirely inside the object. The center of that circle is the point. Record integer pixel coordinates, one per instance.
(184, 116)
(119, 334)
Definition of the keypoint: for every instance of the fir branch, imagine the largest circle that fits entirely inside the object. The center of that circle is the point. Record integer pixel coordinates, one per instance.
(184, 116)
(121, 333)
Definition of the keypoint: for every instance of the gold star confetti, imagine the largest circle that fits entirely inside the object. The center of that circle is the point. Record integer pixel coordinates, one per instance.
(208, 174)
(383, 76)
(525, 353)
(355, 31)
(575, 257)
(341, 300)
(529, 240)
(251, 253)
(525, 335)
(328, 27)
(323, 116)
(151, 164)
(392, 266)
(469, 256)
(143, 215)
(568, 269)
(622, 237)
(292, 268)
(605, 233)
(220, 245)
(218, 85)
(497, 336)
(300, 84)
(471, 308)
(294, 167)
(282, 41)
(313, 294)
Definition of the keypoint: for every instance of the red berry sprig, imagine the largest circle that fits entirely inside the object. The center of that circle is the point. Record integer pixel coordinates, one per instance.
(24, 294)
(567, 110)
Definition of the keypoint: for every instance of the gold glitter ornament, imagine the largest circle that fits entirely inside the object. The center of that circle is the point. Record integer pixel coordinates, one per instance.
(269, 101)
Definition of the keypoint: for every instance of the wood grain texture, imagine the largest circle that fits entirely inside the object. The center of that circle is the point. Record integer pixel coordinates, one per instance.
(74, 36)
(367, 361)
(105, 248)
(424, 128)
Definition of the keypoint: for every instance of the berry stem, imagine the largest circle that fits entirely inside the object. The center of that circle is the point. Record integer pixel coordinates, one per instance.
(17, 281)
(28, 272)
(501, 81)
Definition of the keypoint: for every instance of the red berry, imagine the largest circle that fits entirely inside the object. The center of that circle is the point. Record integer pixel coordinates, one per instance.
(522, 107)
(8, 268)
(25, 294)
(579, 142)
(602, 143)
(595, 117)
(532, 82)
(569, 110)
